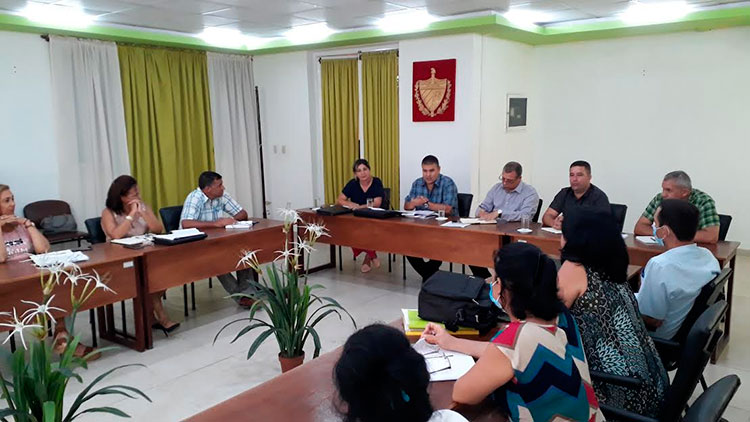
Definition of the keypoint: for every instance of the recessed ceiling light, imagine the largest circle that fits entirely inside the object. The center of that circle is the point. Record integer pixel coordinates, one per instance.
(645, 13)
(308, 33)
(526, 18)
(227, 37)
(57, 15)
(405, 21)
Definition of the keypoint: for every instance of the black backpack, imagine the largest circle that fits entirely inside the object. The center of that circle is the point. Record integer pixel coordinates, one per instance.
(458, 300)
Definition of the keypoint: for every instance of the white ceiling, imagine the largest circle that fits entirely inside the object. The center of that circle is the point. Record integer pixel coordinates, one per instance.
(271, 18)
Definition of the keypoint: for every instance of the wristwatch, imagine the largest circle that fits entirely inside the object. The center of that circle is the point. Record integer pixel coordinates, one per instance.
(129, 218)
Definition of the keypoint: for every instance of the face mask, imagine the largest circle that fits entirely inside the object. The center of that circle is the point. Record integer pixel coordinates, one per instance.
(492, 298)
(659, 240)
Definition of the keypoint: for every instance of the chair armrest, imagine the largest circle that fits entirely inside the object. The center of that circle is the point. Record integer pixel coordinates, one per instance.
(615, 379)
(712, 403)
(615, 413)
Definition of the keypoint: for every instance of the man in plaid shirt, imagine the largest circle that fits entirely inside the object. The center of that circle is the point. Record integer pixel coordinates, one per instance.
(433, 191)
(209, 206)
(677, 185)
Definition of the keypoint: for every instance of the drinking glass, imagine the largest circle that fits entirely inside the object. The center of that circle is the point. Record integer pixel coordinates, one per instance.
(370, 202)
(441, 213)
(525, 222)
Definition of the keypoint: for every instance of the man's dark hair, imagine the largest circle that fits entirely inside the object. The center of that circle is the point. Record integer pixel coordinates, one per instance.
(682, 217)
(360, 162)
(581, 163)
(207, 178)
(513, 166)
(430, 159)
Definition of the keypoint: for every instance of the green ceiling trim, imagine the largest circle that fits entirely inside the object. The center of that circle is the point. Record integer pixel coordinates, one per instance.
(493, 25)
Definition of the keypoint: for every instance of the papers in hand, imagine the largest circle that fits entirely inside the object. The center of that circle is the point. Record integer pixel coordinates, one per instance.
(443, 365)
(476, 221)
(241, 225)
(454, 224)
(59, 257)
(649, 240)
(179, 234)
(552, 230)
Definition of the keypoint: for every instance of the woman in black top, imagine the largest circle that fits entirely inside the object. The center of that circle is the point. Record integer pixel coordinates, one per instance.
(355, 195)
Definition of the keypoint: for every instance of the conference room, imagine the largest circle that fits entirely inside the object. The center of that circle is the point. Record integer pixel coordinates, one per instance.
(178, 174)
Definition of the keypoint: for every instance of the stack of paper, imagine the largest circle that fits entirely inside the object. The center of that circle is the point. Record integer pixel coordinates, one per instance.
(419, 214)
(551, 230)
(476, 221)
(414, 325)
(454, 224)
(133, 241)
(241, 225)
(59, 257)
(649, 240)
(179, 234)
(443, 365)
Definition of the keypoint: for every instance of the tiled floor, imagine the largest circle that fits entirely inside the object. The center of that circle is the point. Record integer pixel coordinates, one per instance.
(186, 373)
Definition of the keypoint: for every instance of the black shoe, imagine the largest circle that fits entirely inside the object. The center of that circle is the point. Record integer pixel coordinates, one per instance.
(158, 326)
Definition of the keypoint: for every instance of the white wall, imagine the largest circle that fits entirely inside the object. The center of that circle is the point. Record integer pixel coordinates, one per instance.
(506, 69)
(27, 141)
(454, 143)
(285, 111)
(636, 108)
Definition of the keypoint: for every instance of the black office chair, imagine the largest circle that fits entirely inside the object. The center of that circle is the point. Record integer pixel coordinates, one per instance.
(710, 406)
(671, 350)
(724, 222)
(618, 212)
(170, 216)
(538, 211)
(700, 344)
(94, 227)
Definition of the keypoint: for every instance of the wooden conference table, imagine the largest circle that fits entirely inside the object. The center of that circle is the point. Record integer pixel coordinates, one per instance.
(473, 245)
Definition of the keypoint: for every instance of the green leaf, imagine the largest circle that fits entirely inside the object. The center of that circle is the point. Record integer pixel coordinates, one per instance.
(316, 340)
(82, 396)
(49, 411)
(227, 325)
(248, 328)
(110, 410)
(258, 341)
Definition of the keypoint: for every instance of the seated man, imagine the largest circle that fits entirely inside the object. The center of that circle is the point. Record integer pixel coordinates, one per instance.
(208, 206)
(581, 193)
(511, 199)
(677, 185)
(432, 191)
(672, 280)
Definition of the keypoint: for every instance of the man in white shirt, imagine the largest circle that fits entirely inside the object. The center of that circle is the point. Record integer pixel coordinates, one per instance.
(672, 280)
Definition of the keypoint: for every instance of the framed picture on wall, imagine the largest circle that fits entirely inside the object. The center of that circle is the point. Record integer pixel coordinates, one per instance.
(515, 115)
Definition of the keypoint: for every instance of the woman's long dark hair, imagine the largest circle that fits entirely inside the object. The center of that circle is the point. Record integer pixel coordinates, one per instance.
(380, 377)
(593, 239)
(117, 189)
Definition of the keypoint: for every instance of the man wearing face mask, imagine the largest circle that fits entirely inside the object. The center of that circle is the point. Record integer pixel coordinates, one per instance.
(672, 280)
(677, 185)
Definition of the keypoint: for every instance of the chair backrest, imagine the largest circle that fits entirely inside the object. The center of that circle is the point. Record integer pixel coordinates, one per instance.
(699, 345)
(464, 204)
(618, 212)
(96, 233)
(170, 216)
(538, 211)
(710, 406)
(709, 294)
(37, 211)
(724, 222)
(386, 205)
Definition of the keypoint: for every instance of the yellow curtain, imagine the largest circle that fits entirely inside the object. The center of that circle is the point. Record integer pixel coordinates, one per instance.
(168, 120)
(340, 123)
(380, 113)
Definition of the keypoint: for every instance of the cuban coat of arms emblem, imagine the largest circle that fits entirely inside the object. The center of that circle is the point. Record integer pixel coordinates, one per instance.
(434, 90)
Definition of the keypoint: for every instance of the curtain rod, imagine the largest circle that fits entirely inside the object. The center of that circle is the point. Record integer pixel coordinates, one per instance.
(357, 55)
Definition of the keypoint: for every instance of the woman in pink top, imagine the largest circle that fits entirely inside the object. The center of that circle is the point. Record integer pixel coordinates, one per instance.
(19, 235)
(126, 215)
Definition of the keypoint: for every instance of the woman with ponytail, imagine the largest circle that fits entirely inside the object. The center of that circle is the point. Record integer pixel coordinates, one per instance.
(593, 284)
(380, 377)
(535, 368)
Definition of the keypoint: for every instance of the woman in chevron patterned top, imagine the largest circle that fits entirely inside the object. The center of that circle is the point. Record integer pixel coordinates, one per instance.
(593, 283)
(535, 368)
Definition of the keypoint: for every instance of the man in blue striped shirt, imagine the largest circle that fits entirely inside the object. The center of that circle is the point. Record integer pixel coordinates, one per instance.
(433, 191)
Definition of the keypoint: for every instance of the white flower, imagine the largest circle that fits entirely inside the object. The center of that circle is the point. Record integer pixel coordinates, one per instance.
(249, 259)
(290, 216)
(43, 308)
(98, 282)
(18, 327)
(74, 275)
(286, 255)
(303, 245)
(316, 230)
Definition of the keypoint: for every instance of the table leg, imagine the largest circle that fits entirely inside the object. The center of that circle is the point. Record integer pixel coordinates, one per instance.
(724, 340)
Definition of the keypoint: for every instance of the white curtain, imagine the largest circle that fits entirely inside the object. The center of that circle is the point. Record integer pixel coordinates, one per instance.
(235, 130)
(89, 122)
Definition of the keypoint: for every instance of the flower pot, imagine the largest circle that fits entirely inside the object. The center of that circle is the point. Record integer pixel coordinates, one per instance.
(287, 364)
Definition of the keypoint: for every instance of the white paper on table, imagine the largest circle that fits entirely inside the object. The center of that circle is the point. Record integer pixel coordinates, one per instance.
(241, 225)
(552, 230)
(649, 240)
(131, 241)
(476, 221)
(455, 224)
(57, 257)
(376, 208)
(178, 234)
(418, 213)
(437, 359)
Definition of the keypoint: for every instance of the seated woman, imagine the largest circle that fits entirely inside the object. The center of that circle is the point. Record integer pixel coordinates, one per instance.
(126, 215)
(21, 238)
(355, 195)
(593, 285)
(380, 377)
(526, 364)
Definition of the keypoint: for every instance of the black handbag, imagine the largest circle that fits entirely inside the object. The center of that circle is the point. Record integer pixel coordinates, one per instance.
(458, 300)
(63, 223)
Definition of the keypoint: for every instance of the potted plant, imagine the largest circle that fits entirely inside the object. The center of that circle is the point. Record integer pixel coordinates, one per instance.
(34, 388)
(286, 297)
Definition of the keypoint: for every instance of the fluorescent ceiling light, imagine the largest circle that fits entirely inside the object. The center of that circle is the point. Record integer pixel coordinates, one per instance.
(308, 33)
(645, 13)
(57, 15)
(411, 20)
(526, 18)
(230, 38)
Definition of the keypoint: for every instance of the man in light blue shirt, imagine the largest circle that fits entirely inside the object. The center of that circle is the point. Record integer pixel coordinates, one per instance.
(209, 206)
(511, 199)
(672, 280)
